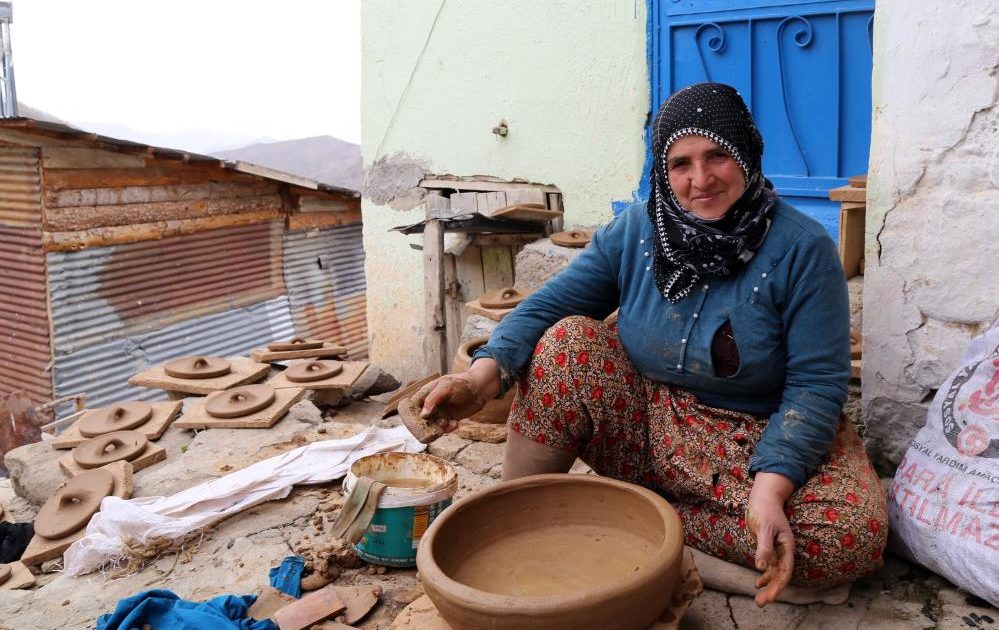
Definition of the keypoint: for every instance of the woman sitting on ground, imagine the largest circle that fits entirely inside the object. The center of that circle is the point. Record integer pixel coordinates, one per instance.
(722, 384)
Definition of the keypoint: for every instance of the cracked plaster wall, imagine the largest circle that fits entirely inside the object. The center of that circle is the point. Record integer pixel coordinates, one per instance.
(569, 78)
(933, 207)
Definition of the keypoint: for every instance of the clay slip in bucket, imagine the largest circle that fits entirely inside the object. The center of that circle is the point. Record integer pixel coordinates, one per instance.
(404, 513)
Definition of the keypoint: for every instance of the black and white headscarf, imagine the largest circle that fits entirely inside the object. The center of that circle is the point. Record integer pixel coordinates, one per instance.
(688, 248)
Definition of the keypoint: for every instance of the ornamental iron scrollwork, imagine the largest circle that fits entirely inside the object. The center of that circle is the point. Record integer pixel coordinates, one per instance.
(716, 44)
(802, 37)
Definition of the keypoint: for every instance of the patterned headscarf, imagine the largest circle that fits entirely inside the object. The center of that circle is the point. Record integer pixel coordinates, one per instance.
(688, 248)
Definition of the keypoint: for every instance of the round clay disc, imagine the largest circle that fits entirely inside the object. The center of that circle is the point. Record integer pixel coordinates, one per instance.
(197, 367)
(295, 343)
(110, 447)
(313, 371)
(5, 572)
(117, 417)
(72, 505)
(502, 298)
(240, 401)
(572, 238)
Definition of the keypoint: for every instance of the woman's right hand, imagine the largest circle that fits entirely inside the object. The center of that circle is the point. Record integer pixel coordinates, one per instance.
(456, 396)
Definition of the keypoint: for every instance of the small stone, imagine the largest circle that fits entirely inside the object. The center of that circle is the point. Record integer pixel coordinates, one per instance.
(381, 570)
(371, 570)
(321, 429)
(65, 603)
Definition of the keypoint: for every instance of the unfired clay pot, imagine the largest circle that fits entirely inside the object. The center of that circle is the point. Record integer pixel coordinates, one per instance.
(496, 411)
(554, 552)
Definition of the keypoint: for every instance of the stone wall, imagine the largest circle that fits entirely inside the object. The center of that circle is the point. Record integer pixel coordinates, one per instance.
(933, 207)
(569, 79)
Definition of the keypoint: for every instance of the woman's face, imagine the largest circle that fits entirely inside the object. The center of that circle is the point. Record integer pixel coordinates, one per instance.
(704, 177)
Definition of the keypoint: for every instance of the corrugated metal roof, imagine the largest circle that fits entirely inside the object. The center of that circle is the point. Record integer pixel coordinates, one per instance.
(324, 274)
(20, 187)
(102, 370)
(104, 293)
(24, 323)
(30, 124)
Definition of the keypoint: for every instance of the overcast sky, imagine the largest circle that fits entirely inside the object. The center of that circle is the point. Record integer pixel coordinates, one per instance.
(282, 69)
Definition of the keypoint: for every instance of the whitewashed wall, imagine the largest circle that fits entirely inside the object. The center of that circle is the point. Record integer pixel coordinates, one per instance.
(569, 78)
(932, 282)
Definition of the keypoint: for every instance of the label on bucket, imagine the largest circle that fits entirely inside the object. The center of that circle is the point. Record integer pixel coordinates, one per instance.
(395, 533)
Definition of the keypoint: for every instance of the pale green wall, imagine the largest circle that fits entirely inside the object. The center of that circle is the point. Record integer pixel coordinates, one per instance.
(569, 78)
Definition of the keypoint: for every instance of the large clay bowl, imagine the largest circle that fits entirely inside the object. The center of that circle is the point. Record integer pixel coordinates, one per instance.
(555, 552)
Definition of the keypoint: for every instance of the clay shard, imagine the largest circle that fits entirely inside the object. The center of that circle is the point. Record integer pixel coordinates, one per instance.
(311, 609)
(5, 572)
(110, 447)
(407, 390)
(507, 297)
(240, 401)
(426, 430)
(572, 238)
(117, 417)
(295, 343)
(197, 367)
(72, 505)
(359, 601)
(313, 371)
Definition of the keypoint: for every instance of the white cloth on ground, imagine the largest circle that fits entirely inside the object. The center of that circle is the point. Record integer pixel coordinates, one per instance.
(174, 517)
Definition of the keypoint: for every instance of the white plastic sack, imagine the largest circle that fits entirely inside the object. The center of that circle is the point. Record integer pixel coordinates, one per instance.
(944, 500)
(176, 516)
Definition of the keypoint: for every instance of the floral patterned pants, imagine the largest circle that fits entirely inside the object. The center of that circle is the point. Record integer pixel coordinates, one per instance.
(582, 394)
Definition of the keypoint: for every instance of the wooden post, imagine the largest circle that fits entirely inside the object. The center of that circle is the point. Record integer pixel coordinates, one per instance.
(433, 283)
(452, 309)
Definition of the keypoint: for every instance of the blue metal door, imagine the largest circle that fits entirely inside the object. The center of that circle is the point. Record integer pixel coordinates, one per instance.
(802, 66)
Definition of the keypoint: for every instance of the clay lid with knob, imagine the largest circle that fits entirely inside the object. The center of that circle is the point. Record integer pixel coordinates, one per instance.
(109, 448)
(72, 505)
(117, 417)
(507, 297)
(295, 343)
(572, 238)
(240, 401)
(197, 367)
(309, 371)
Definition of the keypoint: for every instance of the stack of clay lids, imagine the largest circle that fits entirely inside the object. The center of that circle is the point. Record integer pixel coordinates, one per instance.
(572, 238)
(507, 297)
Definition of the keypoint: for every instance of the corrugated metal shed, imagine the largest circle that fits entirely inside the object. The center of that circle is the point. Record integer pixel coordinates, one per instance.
(25, 349)
(324, 274)
(102, 370)
(105, 293)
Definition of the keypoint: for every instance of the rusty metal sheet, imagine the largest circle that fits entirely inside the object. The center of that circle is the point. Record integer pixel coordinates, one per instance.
(25, 349)
(105, 293)
(324, 275)
(20, 187)
(102, 369)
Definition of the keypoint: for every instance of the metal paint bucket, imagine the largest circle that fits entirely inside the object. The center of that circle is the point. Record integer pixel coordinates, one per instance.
(403, 513)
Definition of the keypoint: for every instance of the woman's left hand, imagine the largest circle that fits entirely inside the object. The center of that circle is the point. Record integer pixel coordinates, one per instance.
(774, 538)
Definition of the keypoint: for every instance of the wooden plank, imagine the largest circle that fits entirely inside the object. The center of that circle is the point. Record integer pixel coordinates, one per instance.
(195, 417)
(264, 355)
(348, 375)
(497, 267)
(327, 204)
(468, 270)
(433, 284)
(848, 193)
(153, 454)
(514, 240)
(271, 173)
(454, 321)
(65, 179)
(557, 224)
(521, 212)
(78, 157)
(438, 206)
(489, 202)
(464, 203)
(481, 185)
(163, 414)
(852, 223)
(244, 371)
(526, 196)
(153, 194)
(312, 220)
(118, 235)
(858, 181)
(87, 217)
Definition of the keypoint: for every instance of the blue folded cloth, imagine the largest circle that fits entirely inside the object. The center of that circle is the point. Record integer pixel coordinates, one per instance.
(287, 578)
(163, 610)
